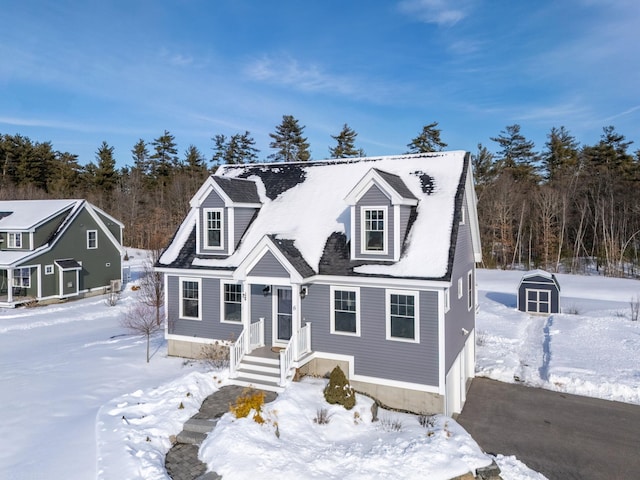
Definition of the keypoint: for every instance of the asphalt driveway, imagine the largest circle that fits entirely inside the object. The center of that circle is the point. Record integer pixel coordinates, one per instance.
(562, 436)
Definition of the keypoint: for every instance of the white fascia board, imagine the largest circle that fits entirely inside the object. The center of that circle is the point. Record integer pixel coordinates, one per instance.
(255, 255)
(104, 228)
(382, 282)
(442, 376)
(192, 272)
(472, 209)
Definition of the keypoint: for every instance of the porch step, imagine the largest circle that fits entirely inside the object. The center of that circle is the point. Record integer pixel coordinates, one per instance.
(271, 386)
(195, 430)
(258, 360)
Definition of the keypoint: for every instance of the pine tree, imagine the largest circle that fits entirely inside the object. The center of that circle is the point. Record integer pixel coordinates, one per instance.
(165, 156)
(238, 148)
(483, 166)
(140, 156)
(427, 141)
(194, 161)
(291, 146)
(517, 157)
(65, 173)
(561, 156)
(345, 147)
(106, 176)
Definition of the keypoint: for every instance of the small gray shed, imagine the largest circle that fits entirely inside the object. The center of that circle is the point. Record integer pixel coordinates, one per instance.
(539, 292)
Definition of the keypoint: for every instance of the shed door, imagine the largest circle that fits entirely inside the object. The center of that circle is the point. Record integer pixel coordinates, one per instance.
(538, 301)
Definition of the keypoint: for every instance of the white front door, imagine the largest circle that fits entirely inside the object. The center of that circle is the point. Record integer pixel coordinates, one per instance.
(282, 315)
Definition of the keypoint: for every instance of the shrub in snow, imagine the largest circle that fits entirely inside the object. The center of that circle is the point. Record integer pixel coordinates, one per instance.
(322, 416)
(249, 402)
(338, 391)
(390, 424)
(216, 355)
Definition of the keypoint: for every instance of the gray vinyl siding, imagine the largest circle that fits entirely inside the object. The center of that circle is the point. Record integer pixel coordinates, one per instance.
(112, 226)
(262, 307)
(241, 218)
(268, 266)
(405, 213)
(213, 200)
(374, 355)
(459, 315)
(374, 198)
(209, 326)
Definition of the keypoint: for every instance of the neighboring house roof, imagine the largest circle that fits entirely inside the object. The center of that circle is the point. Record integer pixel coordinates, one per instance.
(27, 215)
(305, 212)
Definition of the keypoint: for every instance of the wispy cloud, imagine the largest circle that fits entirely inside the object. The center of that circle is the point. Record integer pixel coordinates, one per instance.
(289, 72)
(440, 12)
(623, 113)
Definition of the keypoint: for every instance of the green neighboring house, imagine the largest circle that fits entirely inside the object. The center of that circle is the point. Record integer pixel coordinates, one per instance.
(57, 249)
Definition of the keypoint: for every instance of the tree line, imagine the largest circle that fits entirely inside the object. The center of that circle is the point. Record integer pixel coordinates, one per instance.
(567, 207)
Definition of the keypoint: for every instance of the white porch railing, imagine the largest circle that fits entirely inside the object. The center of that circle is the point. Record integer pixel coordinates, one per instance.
(240, 347)
(236, 352)
(256, 334)
(299, 344)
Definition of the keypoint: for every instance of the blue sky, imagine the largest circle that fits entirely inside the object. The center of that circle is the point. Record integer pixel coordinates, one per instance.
(79, 72)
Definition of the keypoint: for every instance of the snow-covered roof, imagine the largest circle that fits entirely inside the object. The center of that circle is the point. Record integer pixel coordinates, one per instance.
(306, 203)
(25, 215)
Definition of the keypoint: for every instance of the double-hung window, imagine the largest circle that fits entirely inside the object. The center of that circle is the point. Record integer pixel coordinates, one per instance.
(15, 240)
(213, 224)
(345, 310)
(190, 298)
(22, 277)
(403, 321)
(92, 239)
(232, 302)
(374, 229)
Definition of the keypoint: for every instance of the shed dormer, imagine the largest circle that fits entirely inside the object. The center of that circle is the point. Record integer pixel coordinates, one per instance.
(226, 207)
(381, 205)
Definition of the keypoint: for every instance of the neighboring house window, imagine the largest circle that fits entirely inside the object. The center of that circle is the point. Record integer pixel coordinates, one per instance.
(402, 316)
(48, 269)
(460, 289)
(345, 310)
(92, 239)
(470, 290)
(213, 228)
(22, 277)
(190, 298)
(374, 229)
(15, 240)
(232, 302)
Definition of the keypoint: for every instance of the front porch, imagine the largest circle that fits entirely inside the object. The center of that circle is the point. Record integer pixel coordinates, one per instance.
(252, 363)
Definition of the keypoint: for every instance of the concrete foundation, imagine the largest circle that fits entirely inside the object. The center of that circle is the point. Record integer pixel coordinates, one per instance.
(181, 348)
(397, 398)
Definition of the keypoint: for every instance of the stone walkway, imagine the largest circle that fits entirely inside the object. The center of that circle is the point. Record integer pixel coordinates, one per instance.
(182, 461)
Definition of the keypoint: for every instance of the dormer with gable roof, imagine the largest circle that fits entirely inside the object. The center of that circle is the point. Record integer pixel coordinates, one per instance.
(226, 207)
(381, 208)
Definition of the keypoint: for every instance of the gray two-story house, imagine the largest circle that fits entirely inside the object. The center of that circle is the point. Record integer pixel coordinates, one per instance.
(53, 250)
(365, 263)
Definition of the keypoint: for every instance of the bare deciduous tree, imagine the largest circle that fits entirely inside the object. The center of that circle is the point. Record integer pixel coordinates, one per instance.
(141, 319)
(151, 291)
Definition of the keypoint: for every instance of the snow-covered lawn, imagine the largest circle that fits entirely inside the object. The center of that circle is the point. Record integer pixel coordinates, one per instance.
(592, 351)
(79, 401)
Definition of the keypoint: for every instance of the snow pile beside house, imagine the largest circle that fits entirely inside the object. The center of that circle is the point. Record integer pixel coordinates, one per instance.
(291, 445)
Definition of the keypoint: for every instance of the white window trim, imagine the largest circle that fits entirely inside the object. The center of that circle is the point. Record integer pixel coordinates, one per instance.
(416, 316)
(470, 290)
(385, 230)
(11, 240)
(205, 227)
(222, 302)
(20, 277)
(89, 247)
(460, 288)
(333, 289)
(181, 280)
(537, 300)
(463, 216)
(48, 269)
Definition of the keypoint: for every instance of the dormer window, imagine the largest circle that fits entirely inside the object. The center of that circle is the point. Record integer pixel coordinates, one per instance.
(213, 228)
(15, 240)
(374, 232)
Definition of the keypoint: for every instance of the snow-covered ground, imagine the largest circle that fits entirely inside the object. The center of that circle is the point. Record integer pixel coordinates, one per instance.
(591, 349)
(79, 401)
